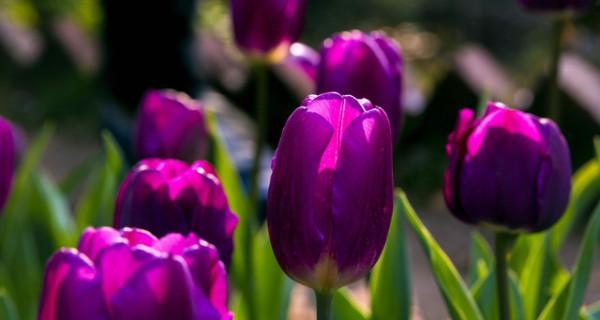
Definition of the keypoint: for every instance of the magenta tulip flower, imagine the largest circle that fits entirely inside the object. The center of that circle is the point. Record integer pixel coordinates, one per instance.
(508, 169)
(555, 5)
(330, 197)
(130, 274)
(8, 152)
(365, 65)
(305, 59)
(171, 125)
(165, 196)
(267, 27)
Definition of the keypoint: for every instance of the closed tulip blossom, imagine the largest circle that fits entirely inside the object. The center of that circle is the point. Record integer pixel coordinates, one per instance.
(267, 27)
(508, 169)
(130, 274)
(8, 152)
(330, 196)
(556, 5)
(365, 65)
(170, 124)
(305, 59)
(165, 196)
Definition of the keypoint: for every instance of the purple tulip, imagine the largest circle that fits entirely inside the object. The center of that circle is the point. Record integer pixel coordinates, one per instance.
(130, 274)
(555, 5)
(8, 150)
(305, 59)
(165, 196)
(170, 125)
(267, 27)
(330, 197)
(508, 169)
(365, 66)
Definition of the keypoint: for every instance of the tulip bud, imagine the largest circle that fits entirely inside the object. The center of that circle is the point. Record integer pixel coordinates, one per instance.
(267, 27)
(165, 196)
(365, 66)
(130, 274)
(330, 196)
(170, 125)
(508, 169)
(305, 59)
(556, 5)
(8, 147)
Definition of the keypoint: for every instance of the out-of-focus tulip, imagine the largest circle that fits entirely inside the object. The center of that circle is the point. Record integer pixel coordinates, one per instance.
(556, 5)
(170, 125)
(165, 196)
(508, 169)
(7, 159)
(330, 197)
(365, 65)
(267, 27)
(304, 58)
(130, 274)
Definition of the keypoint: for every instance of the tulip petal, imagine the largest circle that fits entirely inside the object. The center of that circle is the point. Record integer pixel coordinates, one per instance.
(362, 195)
(161, 289)
(145, 204)
(554, 179)
(93, 241)
(117, 263)
(71, 289)
(7, 161)
(503, 155)
(297, 233)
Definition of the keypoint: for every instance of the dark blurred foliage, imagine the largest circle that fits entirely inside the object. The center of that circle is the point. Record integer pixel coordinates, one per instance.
(147, 45)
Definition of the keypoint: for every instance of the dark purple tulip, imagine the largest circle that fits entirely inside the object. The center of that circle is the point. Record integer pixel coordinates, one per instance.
(130, 274)
(365, 65)
(8, 146)
(170, 125)
(330, 197)
(508, 169)
(165, 196)
(267, 27)
(555, 5)
(305, 59)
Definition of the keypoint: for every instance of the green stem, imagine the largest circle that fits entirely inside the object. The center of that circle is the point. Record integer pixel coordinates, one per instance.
(261, 107)
(501, 250)
(323, 305)
(554, 97)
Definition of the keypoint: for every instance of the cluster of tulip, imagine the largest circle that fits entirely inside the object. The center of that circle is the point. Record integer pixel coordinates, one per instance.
(331, 195)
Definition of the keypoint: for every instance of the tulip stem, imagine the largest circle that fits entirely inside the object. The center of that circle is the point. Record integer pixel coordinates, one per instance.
(323, 305)
(261, 109)
(501, 251)
(554, 98)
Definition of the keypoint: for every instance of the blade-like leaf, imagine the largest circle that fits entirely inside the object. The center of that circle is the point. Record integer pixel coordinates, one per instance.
(7, 307)
(96, 205)
(273, 287)
(484, 291)
(344, 308)
(390, 279)
(459, 300)
(584, 194)
(566, 304)
(481, 258)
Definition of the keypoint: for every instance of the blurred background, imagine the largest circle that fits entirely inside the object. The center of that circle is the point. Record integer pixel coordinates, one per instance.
(84, 64)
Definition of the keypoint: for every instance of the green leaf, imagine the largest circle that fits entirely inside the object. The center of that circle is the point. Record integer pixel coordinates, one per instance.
(459, 300)
(485, 293)
(273, 287)
(584, 194)
(344, 308)
(390, 279)
(96, 205)
(19, 254)
(566, 304)
(481, 258)
(7, 306)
